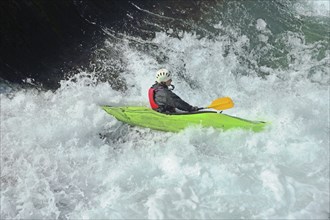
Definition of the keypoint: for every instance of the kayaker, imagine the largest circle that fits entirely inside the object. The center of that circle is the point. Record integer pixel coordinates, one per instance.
(161, 97)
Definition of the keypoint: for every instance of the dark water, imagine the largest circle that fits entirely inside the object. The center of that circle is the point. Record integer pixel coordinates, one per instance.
(48, 40)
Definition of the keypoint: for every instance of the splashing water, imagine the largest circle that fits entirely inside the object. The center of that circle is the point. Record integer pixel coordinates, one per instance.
(63, 157)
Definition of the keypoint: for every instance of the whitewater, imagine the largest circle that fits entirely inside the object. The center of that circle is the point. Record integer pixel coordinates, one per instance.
(63, 157)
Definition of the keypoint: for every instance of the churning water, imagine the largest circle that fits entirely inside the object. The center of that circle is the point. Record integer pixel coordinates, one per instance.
(63, 157)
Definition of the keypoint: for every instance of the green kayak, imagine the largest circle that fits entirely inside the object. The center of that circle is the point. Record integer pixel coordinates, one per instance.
(146, 117)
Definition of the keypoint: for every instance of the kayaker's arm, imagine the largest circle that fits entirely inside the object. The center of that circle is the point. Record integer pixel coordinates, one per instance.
(177, 102)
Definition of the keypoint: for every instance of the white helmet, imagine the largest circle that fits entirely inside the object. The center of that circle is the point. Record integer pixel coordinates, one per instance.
(163, 75)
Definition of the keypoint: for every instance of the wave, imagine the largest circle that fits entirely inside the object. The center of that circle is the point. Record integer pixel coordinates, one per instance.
(63, 157)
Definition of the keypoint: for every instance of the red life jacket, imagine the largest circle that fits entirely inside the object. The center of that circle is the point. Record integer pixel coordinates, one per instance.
(152, 102)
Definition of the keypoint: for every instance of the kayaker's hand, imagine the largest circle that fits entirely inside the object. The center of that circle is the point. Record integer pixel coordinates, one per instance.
(194, 109)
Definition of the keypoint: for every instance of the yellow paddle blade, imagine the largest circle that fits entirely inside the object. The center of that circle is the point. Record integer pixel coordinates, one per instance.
(222, 103)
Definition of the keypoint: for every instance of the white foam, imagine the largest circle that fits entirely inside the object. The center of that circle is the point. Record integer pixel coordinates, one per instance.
(56, 165)
(261, 24)
(313, 8)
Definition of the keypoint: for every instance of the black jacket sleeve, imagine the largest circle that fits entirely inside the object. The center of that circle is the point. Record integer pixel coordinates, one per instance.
(173, 100)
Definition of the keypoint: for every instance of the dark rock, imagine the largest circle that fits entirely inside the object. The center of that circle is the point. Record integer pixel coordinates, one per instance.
(43, 39)
(46, 39)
